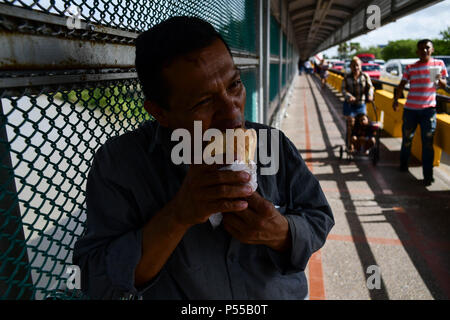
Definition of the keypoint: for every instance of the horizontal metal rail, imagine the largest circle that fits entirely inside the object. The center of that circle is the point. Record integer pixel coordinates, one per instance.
(32, 41)
(48, 18)
(381, 82)
(32, 52)
(17, 82)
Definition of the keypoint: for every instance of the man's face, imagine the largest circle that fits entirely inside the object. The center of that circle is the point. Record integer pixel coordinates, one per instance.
(205, 85)
(425, 50)
(355, 66)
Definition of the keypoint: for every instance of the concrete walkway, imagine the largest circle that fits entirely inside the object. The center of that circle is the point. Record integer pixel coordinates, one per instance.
(384, 218)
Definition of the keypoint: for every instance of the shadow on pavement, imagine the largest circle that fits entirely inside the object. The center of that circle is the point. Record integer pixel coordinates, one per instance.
(417, 215)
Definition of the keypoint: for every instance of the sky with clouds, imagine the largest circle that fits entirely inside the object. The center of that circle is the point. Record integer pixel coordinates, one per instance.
(426, 23)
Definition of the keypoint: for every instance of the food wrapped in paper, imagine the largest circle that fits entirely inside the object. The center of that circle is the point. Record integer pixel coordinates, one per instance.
(243, 151)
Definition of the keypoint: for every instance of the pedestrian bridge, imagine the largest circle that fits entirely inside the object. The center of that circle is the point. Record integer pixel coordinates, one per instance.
(68, 83)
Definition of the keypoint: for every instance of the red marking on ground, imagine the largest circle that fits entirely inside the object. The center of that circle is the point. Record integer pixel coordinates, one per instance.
(438, 245)
(397, 193)
(362, 239)
(316, 286)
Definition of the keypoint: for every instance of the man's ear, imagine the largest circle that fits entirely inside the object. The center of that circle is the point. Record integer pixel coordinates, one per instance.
(157, 112)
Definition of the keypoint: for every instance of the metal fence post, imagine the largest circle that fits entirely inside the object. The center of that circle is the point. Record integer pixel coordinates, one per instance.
(260, 53)
(266, 59)
(14, 264)
(280, 64)
(288, 33)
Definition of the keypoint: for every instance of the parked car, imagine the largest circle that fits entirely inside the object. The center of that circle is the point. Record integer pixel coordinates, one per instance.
(366, 57)
(380, 62)
(338, 65)
(446, 91)
(372, 69)
(446, 60)
(331, 61)
(393, 72)
(347, 66)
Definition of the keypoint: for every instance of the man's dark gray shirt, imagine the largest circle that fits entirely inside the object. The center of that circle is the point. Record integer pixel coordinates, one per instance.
(132, 177)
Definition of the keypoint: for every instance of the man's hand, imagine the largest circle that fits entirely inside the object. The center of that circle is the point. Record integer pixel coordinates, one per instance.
(370, 99)
(442, 83)
(351, 99)
(206, 190)
(395, 105)
(260, 223)
(398, 93)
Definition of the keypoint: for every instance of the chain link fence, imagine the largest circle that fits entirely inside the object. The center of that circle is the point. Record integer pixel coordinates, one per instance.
(52, 120)
(50, 140)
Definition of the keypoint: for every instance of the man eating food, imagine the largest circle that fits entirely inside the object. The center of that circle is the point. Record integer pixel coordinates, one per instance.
(148, 233)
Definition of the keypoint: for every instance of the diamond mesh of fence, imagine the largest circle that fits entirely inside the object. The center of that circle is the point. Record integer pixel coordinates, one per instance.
(51, 140)
(234, 19)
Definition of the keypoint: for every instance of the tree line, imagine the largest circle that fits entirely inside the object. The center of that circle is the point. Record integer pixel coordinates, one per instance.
(396, 49)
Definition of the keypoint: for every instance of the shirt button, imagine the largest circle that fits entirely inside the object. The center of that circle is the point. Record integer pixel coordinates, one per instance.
(232, 257)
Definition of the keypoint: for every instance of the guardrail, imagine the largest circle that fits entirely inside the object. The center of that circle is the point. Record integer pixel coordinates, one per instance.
(392, 123)
(443, 101)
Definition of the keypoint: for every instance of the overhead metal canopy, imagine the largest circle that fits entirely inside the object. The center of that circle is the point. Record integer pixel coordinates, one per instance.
(319, 25)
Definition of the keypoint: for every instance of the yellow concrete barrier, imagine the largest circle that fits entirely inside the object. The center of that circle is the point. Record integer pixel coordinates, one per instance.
(441, 139)
(392, 124)
(339, 80)
(442, 136)
(392, 121)
(416, 148)
(335, 81)
(330, 79)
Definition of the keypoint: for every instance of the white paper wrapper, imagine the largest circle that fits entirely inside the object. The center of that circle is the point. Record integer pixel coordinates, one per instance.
(216, 218)
(434, 71)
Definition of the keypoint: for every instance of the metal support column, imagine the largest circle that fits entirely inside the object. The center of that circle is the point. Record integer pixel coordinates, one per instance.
(286, 73)
(260, 52)
(280, 64)
(265, 61)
